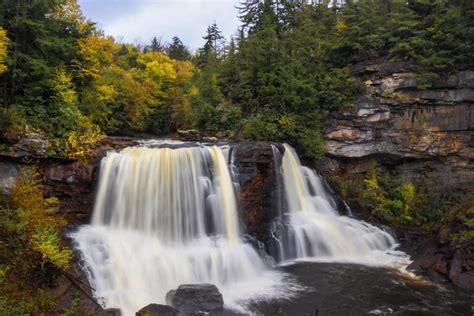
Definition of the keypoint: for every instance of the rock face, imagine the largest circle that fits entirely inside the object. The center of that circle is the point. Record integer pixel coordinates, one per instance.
(158, 310)
(32, 146)
(256, 172)
(407, 132)
(397, 122)
(194, 298)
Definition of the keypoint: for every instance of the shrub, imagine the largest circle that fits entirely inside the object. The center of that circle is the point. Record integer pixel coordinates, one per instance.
(31, 252)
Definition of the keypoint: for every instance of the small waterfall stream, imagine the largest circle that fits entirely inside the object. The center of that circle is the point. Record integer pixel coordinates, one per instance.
(165, 217)
(312, 228)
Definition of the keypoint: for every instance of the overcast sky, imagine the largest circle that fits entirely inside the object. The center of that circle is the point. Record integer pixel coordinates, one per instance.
(137, 21)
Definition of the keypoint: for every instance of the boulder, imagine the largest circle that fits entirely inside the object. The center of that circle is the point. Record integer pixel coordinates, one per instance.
(465, 280)
(158, 310)
(112, 312)
(193, 298)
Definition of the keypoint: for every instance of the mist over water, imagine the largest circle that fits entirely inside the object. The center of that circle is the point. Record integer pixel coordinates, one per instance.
(165, 217)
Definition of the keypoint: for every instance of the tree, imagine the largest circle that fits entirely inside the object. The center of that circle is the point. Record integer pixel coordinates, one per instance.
(177, 50)
(214, 40)
(41, 39)
(4, 41)
(156, 45)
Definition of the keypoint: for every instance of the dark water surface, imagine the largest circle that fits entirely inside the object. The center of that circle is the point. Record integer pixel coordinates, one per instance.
(345, 289)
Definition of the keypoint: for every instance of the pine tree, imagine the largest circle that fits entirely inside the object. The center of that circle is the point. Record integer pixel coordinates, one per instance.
(156, 45)
(177, 50)
(214, 40)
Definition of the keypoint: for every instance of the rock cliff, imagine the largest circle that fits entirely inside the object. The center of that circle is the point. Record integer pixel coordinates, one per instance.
(398, 124)
(407, 133)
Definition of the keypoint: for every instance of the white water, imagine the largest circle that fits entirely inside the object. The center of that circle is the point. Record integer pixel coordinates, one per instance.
(314, 230)
(165, 217)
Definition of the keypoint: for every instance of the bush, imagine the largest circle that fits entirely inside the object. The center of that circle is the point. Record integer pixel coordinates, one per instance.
(31, 251)
(78, 146)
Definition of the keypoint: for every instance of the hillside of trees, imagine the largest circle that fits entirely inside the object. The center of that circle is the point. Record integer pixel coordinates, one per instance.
(289, 63)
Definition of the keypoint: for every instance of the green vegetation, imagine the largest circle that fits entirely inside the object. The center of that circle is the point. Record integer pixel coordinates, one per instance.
(31, 251)
(417, 204)
(290, 64)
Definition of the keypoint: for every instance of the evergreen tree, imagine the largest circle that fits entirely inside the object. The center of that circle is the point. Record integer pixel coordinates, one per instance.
(214, 40)
(156, 45)
(177, 50)
(43, 35)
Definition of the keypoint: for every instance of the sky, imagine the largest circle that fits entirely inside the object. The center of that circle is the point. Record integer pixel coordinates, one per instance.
(137, 21)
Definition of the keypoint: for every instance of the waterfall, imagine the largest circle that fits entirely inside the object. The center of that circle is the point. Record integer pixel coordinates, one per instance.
(165, 217)
(311, 228)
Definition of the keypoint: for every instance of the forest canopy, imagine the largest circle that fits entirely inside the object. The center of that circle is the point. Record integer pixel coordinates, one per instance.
(289, 64)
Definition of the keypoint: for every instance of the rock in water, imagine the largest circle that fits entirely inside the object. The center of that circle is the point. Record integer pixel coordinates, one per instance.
(193, 298)
(158, 310)
(113, 312)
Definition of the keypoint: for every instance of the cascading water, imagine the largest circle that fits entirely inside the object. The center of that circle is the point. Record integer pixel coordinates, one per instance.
(165, 217)
(311, 227)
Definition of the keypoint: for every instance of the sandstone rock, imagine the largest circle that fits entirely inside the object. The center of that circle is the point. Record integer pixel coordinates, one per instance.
(74, 173)
(398, 81)
(189, 135)
(193, 298)
(210, 139)
(158, 310)
(442, 96)
(33, 145)
(355, 135)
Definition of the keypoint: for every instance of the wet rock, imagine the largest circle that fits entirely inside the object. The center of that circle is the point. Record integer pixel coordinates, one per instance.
(437, 277)
(440, 265)
(169, 297)
(158, 310)
(193, 298)
(112, 312)
(456, 266)
(465, 280)
(8, 175)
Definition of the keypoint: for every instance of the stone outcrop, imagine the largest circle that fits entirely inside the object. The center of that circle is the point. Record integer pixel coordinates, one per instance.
(407, 132)
(256, 169)
(396, 122)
